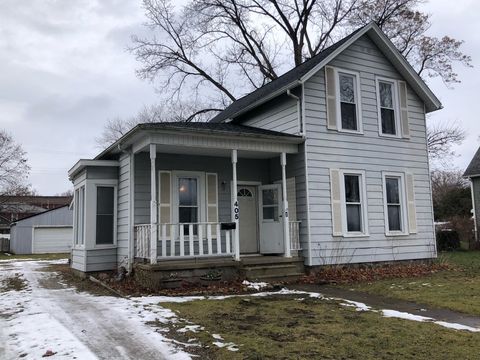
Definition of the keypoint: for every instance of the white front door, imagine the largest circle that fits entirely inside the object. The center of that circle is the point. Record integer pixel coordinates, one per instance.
(271, 221)
(247, 203)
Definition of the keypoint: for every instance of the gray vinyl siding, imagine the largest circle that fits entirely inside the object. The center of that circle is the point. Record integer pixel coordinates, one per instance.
(101, 259)
(476, 200)
(280, 114)
(78, 259)
(123, 209)
(21, 238)
(329, 149)
(247, 170)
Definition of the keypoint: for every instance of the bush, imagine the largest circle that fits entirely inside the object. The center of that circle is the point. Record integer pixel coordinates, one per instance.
(448, 240)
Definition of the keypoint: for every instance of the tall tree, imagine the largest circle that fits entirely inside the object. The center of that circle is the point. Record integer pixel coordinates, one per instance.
(451, 195)
(441, 137)
(14, 168)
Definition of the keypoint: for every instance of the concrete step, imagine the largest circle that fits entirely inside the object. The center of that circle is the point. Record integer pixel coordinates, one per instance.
(277, 278)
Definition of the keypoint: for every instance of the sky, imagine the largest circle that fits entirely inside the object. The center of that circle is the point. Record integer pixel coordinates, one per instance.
(65, 70)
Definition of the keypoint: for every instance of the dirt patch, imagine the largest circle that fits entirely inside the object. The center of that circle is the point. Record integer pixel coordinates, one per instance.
(366, 273)
(13, 283)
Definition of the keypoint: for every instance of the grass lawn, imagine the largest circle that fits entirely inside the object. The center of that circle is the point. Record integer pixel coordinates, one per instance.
(457, 289)
(4, 256)
(284, 327)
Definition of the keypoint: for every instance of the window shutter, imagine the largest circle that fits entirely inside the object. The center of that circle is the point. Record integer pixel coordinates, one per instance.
(336, 202)
(331, 91)
(402, 93)
(212, 200)
(412, 214)
(165, 198)
(292, 199)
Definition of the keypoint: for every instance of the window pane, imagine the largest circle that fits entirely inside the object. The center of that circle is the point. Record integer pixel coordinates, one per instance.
(187, 191)
(388, 121)
(349, 116)
(354, 218)
(270, 197)
(105, 215)
(188, 214)
(347, 86)
(394, 218)
(386, 95)
(393, 191)
(352, 188)
(270, 213)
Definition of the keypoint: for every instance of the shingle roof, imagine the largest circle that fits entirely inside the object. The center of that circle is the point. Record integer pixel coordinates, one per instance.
(286, 79)
(474, 166)
(225, 128)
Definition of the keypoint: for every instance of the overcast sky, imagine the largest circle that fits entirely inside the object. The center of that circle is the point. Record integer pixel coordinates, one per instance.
(64, 70)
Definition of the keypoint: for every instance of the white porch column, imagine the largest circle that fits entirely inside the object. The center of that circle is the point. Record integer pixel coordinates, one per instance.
(235, 208)
(153, 204)
(286, 229)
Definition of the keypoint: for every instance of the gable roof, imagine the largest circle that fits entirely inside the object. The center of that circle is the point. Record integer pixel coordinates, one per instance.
(473, 168)
(38, 214)
(307, 69)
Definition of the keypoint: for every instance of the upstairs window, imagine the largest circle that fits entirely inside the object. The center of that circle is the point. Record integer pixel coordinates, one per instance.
(387, 107)
(348, 101)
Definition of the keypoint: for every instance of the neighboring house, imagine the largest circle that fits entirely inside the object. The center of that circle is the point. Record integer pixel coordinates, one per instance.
(325, 165)
(47, 232)
(473, 173)
(13, 208)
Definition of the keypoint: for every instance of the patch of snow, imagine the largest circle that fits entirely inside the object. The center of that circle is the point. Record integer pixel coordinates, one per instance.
(357, 305)
(456, 326)
(255, 285)
(404, 315)
(217, 336)
(230, 346)
(191, 328)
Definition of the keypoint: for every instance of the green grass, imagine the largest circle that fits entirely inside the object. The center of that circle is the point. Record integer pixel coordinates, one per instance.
(457, 289)
(282, 327)
(4, 256)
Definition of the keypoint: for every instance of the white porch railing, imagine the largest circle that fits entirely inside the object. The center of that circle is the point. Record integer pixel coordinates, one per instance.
(294, 228)
(185, 240)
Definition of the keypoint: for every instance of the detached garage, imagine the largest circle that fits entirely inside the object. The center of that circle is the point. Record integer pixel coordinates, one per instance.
(47, 232)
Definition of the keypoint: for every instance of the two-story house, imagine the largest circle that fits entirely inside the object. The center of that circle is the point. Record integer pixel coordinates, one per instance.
(325, 165)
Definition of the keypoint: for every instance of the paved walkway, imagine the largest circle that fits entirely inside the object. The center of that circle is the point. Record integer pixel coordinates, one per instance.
(381, 302)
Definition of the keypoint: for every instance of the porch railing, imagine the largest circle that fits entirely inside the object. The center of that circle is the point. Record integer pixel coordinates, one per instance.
(294, 228)
(185, 240)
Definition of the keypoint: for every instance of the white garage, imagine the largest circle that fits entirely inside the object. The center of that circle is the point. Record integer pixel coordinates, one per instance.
(47, 232)
(51, 240)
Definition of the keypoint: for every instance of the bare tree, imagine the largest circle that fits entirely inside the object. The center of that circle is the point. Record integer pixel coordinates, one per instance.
(14, 168)
(441, 137)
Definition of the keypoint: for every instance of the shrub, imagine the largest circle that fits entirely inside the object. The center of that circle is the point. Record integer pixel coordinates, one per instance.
(448, 240)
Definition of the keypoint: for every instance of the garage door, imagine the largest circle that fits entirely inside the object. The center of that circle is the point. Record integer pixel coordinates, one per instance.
(52, 240)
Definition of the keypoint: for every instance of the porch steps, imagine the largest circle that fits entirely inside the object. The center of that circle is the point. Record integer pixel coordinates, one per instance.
(273, 269)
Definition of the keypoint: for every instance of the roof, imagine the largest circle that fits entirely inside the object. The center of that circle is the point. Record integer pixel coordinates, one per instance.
(37, 214)
(303, 72)
(208, 128)
(473, 168)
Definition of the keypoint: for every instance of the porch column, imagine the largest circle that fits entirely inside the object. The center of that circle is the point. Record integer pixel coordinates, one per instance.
(153, 204)
(286, 229)
(235, 208)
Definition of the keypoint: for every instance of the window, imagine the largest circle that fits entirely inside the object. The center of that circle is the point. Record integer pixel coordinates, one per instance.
(79, 206)
(188, 201)
(395, 219)
(387, 107)
(105, 215)
(353, 203)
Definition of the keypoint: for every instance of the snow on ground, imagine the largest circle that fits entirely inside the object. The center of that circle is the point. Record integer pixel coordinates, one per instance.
(77, 325)
(255, 285)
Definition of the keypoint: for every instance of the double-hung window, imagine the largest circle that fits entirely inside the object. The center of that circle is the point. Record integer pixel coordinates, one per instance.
(349, 107)
(105, 224)
(354, 204)
(394, 202)
(188, 211)
(388, 107)
(79, 206)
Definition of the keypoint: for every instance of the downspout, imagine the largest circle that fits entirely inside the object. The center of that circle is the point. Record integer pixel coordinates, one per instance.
(299, 110)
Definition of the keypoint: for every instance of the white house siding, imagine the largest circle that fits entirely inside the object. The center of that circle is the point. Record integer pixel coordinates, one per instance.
(123, 210)
(369, 152)
(476, 200)
(280, 114)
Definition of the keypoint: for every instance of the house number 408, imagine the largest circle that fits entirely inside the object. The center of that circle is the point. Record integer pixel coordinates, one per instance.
(236, 210)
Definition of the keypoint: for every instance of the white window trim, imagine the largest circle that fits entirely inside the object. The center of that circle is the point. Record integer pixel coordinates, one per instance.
(396, 107)
(201, 194)
(363, 202)
(82, 184)
(358, 99)
(105, 183)
(403, 203)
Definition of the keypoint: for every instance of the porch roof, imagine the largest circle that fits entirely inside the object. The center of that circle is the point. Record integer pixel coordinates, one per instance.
(175, 135)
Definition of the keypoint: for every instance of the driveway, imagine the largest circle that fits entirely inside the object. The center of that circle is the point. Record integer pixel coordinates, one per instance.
(43, 314)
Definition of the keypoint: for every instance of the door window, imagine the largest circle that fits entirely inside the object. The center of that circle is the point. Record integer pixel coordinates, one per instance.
(188, 201)
(270, 204)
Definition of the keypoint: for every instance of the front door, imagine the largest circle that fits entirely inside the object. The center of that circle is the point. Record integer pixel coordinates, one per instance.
(247, 203)
(271, 221)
